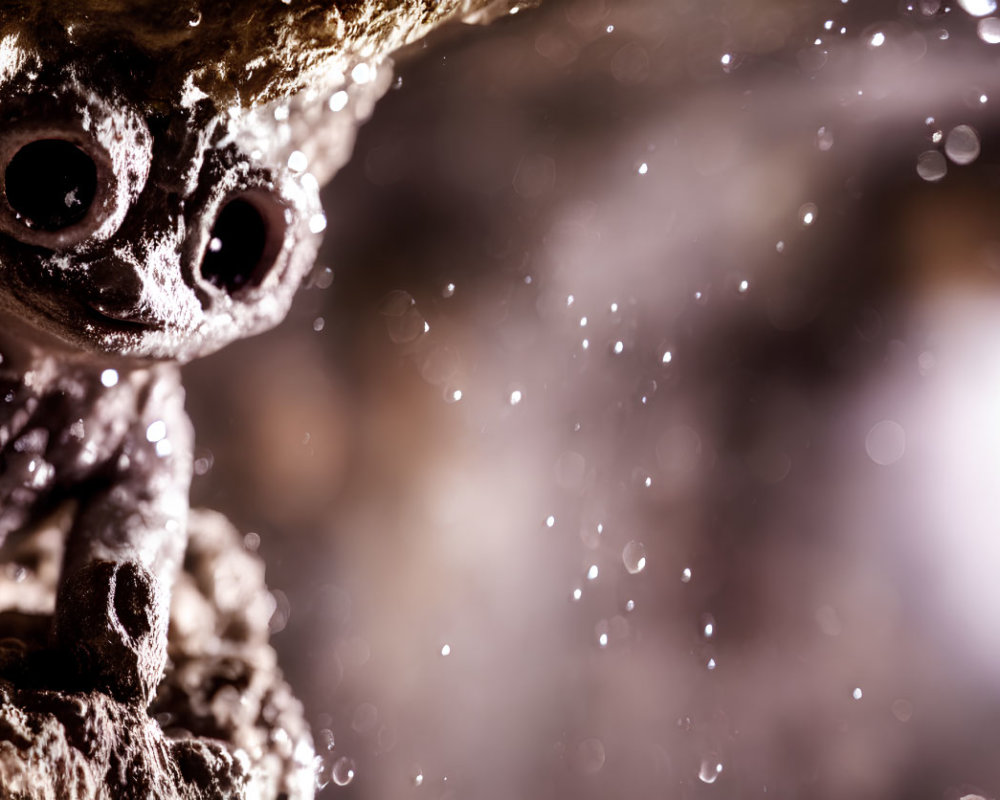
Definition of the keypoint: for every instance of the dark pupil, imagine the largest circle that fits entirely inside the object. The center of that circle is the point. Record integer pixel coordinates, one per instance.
(50, 184)
(235, 246)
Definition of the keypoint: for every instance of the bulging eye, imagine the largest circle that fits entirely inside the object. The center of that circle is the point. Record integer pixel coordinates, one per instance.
(244, 242)
(50, 184)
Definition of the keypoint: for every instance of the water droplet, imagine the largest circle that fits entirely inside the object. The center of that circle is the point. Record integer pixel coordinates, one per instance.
(593, 572)
(978, 8)
(886, 442)
(686, 575)
(708, 626)
(418, 779)
(318, 324)
(156, 431)
(109, 378)
(343, 771)
(338, 100)
(857, 694)
(807, 214)
(877, 39)
(446, 650)
(989, 30)
(195, 20)
(962, 144)
(643, 168)
(577, 593)
(634, 557)
(780, 247)
(667, 357)
(402, 319)
(448, 290)
(589, 756)
(618, 347)
(362, 73)
(630, 605)
(711, 664)
(602, 640)
(515, 397)
(743, 287)
(298, 161)
(550, 520)
(824, 138)
(452, 395)
(317, 222)
(902, 710)
(931, 166)
(710, 769)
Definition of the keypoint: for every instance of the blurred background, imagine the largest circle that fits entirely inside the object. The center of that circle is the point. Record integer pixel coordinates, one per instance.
(638, 432)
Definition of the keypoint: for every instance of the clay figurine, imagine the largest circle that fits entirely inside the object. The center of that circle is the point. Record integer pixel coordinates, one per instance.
(159, 173)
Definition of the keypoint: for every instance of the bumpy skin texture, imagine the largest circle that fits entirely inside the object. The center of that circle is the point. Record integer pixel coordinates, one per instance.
(186, 113)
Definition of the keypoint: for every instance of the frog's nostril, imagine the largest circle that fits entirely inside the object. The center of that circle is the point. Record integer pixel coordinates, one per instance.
(50, 184)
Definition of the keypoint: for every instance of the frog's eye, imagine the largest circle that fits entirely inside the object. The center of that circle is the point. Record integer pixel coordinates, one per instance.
(57, 190)
(50, 184)
(245, 241)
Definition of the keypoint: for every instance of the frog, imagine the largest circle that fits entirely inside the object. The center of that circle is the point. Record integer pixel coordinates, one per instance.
(160, 170)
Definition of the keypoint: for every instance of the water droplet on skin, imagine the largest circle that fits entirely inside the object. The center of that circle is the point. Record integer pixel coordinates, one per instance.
(449, 290)
(710, 769)
(743, 286)
(577, 594)
(877, 39)
(931, 166)
(643, 168)
(886, 442)
(686, 575)
(342, 771)
(446, 650)
(550, 520)
(418, 779)
(634, 557)
(667, 357)
(593, 572)
(515, 397)
(962, 144)
(708, 626)
(452, 395)
(978, 8)
(857, 694)
(989, 30)
(711, 665)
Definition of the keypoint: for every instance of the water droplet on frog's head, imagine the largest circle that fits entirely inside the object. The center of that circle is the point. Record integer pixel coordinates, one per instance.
(342, 772)
(931, 166)
(710, 769)
(978, 8)
(634, 557)
(962, 144)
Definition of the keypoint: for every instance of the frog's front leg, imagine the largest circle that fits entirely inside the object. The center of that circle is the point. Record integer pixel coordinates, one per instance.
(123, 553)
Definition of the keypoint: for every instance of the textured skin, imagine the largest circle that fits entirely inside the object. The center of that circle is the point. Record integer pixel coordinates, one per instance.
(185, 111)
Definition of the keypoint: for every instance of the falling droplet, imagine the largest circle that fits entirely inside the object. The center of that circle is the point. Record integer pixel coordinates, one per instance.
(710, 769)
(962, 144)
(978, 8)
(634, 557)
(708, 626)
(343, 771)
(989, 30)
(550, 520)
(807, 214)
(446, 650)
(515, 397)
(686, 575)
(877, 39)
(593, 572)
(931, 166)
(857, 694)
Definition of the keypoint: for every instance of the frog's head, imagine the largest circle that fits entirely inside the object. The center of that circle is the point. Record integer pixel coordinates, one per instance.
(160, 166)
